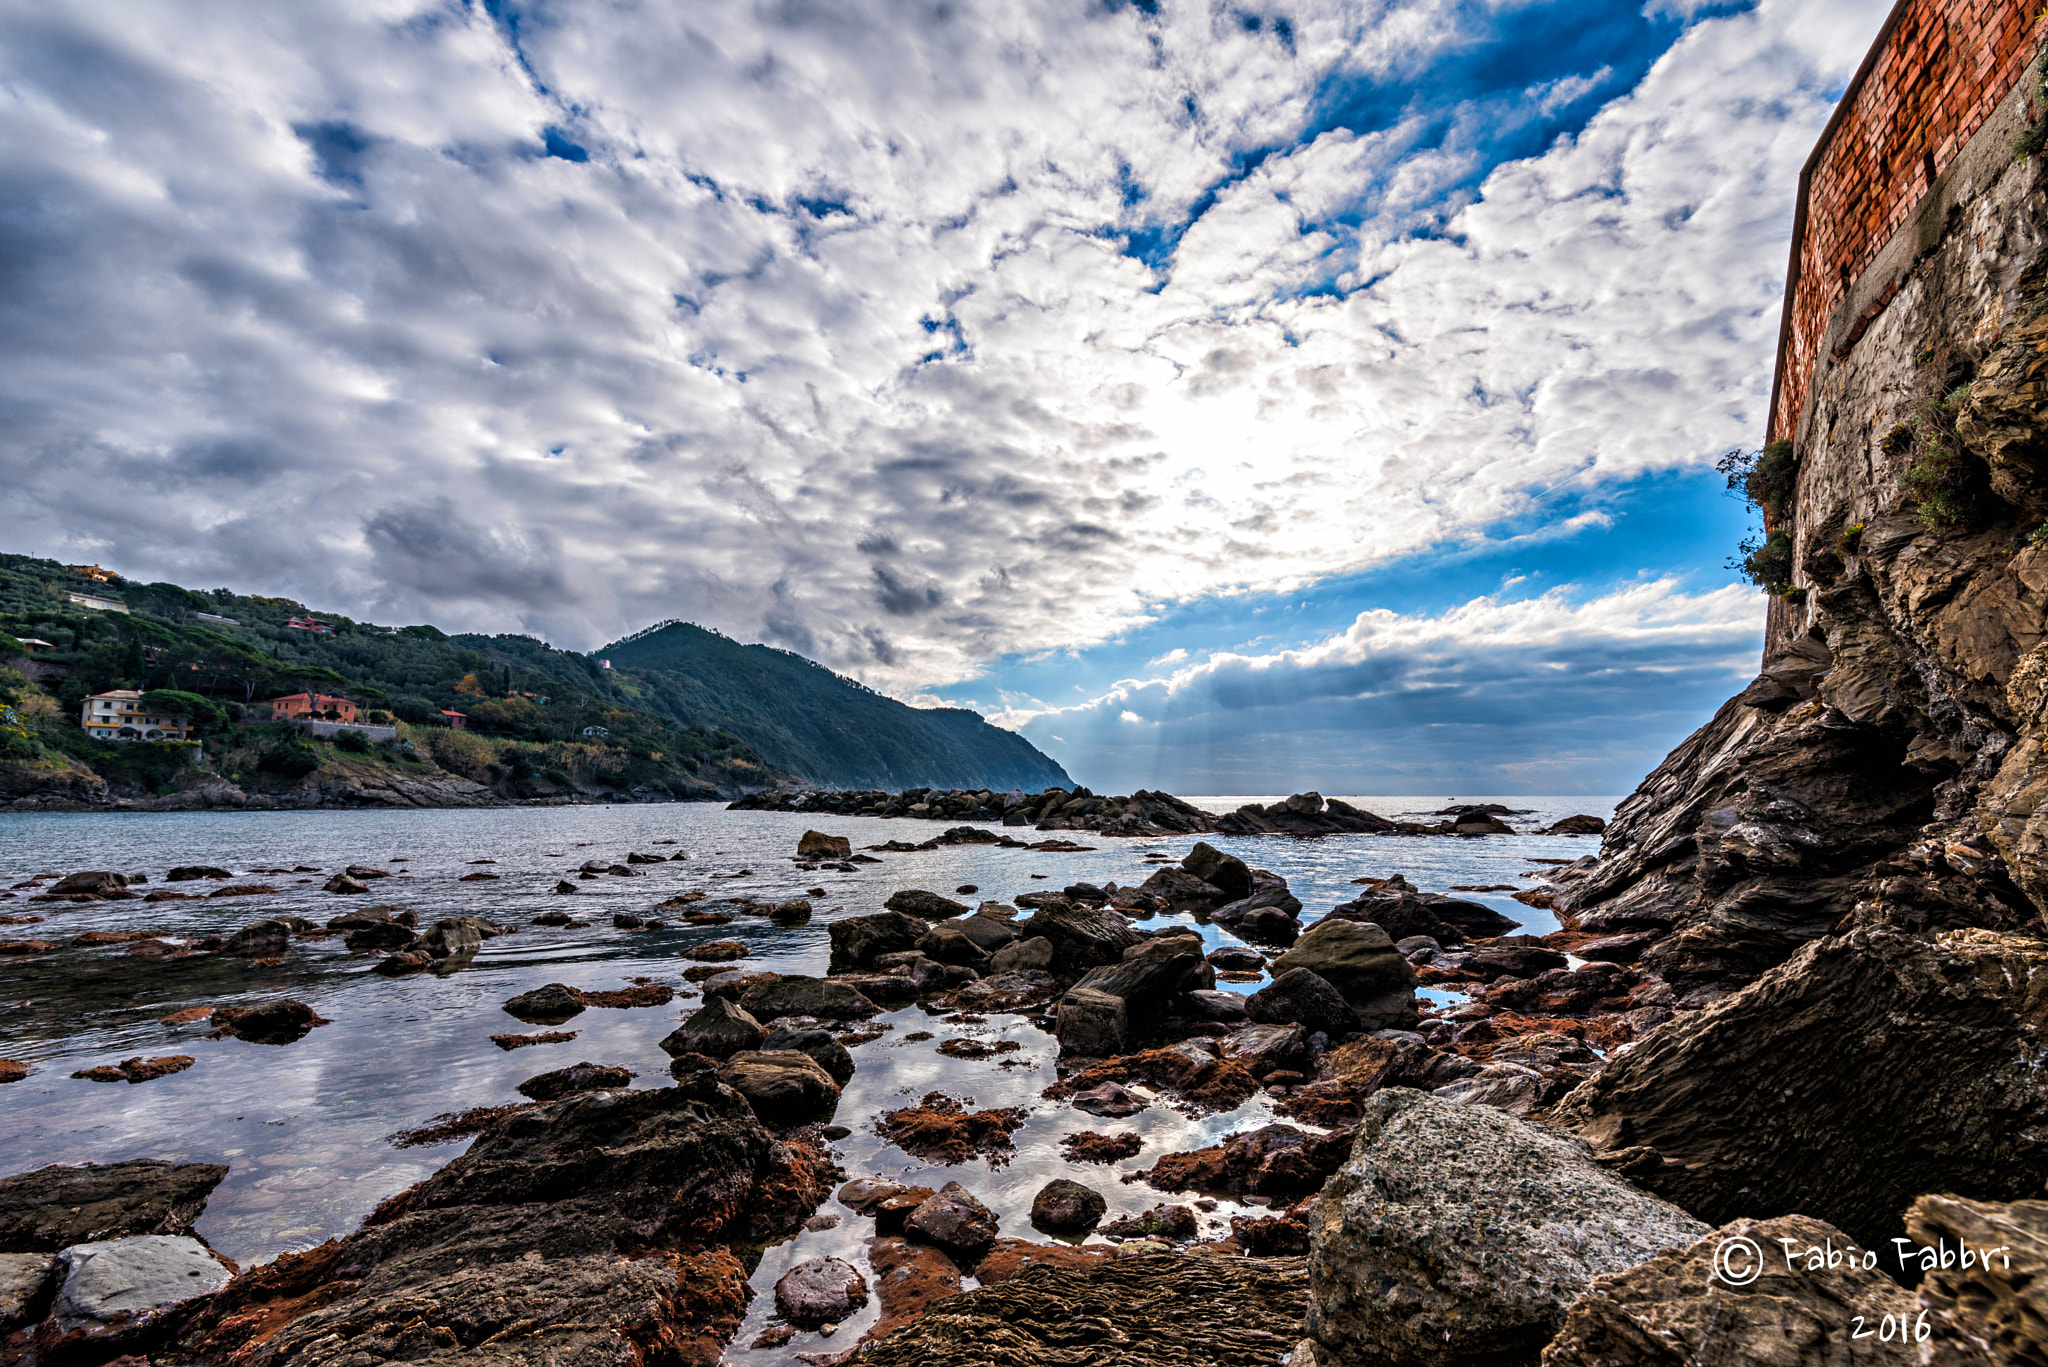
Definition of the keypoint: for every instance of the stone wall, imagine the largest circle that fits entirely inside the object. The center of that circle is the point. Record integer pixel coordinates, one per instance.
(1938, 73)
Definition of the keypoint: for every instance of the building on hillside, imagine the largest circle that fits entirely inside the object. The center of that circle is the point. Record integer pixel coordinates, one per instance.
(215, 618)
(312, 707)
(94, 573)
(96, 602)
(312, 624)
(35, 643)
(596, 732)
(458, 720)
(120, 716)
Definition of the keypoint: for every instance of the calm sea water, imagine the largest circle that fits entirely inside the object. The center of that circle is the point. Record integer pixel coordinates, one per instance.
(305, 1127)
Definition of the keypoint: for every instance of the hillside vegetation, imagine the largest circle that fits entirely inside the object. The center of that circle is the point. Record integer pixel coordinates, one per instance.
(804, 718)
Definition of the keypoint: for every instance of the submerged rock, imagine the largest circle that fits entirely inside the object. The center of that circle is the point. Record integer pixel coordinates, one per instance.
(1455, 1232)
(821, 1291)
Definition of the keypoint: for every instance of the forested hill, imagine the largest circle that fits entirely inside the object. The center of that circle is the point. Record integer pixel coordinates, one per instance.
(804, 718)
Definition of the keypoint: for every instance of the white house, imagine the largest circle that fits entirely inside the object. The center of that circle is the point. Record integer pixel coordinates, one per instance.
(97, 603)
(120, 716)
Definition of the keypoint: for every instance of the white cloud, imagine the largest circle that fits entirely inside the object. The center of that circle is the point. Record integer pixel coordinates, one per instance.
(1171, 657)
(302, 307)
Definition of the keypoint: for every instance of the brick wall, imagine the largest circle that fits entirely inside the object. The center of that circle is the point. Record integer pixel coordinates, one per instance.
(1935, 74)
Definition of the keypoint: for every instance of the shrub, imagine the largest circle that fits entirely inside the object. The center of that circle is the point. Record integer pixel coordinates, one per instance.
(355, 742)
(1764, 478)
(460, 753)
(1942, 478)
(1766, 562)
(292, 759)
(1850, 539)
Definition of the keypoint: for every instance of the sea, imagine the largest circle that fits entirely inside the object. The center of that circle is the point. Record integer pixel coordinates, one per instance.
(307, 1128)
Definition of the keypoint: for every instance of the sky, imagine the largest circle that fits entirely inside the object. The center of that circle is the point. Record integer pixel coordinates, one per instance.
(1230, 397)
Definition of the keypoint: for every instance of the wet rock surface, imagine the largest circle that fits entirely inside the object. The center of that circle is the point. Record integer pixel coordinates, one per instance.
(55, 1207)
(1127, 1310)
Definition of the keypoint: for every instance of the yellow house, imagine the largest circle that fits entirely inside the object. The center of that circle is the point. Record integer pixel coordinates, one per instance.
(120, 715)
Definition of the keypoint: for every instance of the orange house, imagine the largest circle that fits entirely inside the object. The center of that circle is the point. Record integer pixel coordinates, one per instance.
(313, 706)
(458, 720)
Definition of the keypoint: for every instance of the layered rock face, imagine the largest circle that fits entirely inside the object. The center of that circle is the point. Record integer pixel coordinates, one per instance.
(1887, 767)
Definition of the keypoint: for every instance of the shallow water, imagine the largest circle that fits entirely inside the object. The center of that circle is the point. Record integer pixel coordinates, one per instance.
(305, 1127)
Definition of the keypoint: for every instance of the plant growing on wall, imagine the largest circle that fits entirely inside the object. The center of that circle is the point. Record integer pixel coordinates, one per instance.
(1765, 480)
(1942, 477)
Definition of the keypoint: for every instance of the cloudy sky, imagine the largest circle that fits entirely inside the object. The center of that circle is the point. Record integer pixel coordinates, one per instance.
(1235, 397)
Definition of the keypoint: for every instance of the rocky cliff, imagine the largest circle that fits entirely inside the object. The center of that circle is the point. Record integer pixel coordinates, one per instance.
(1886, 768)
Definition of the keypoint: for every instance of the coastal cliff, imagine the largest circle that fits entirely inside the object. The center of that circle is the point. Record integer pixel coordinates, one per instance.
(1885, 767)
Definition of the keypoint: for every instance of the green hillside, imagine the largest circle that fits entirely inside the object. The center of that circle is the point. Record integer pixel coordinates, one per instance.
(681, 709)
(804, 718)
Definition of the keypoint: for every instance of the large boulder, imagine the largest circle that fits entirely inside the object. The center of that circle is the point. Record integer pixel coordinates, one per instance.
(278, 1022)
(927, 905)
(1750, 1292)
(1767, 1102)
(825, 1051)
(91, 881)
(1301, 997)
(453, 935)
(955, 1222)
(1997, 1302)
(858, 941)
(1360, 961)
(1458, 1234)
(1066, 1207)
(1082, 937)
(549, 1005)
(948, 943)
(1269, 890)
(784, 1086)
(1152, 971)
(1397, 907)
(821, 1291)
(796, 995)
(818, 845)
(119, 1293)
(718, 1029)
(51, 1208)
(1092, 1024)
(1224, 872)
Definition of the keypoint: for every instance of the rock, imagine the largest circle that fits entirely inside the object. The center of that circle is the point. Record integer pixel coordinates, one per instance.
(955, 1222)
(1111, 1099)
(54, 1207)
(1263, 1049)
(909, 1280)
(139, 1069)
(549, 1005)
(1575, 825)
(1761, 1103)
(577, 1077)
(1397, 907)
(1453, 1232)
(1152, 971)
(716, 952)
(1302, 814)
(95, 881)
(366, 918)
(821, 1291)
(117, 1292)
(1301, 997)
(718, 1029)
(454, 935)
(1269, 891)
(278, 1022)
(927, 905)
(403, 962)
(26, 1281)
(1996, 1303)
(1624, 948)
(261, 938)
(1227, 1008)
(381, 935)
(1082, 938)
(1224, 872)
(1176, 1224)
(1237, 959)
(1183, 891)
(947, 943)
(1504, 958)
(563, 886)
(1161, 1310)
(13, 1070)
(1065, 1207)
(796, 995)
(1268, 926)
(1359, 960)
(1032, 955)
(342, 883)
(786, 1088)
(185, 873)
(794, 912)
(728, 983)
(1274, 1160)
(1091, 1023)
(858, 940)
(1510, 1087)
(823, 1050)
(365, 872)
(1679, 1308)
(818, 845)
